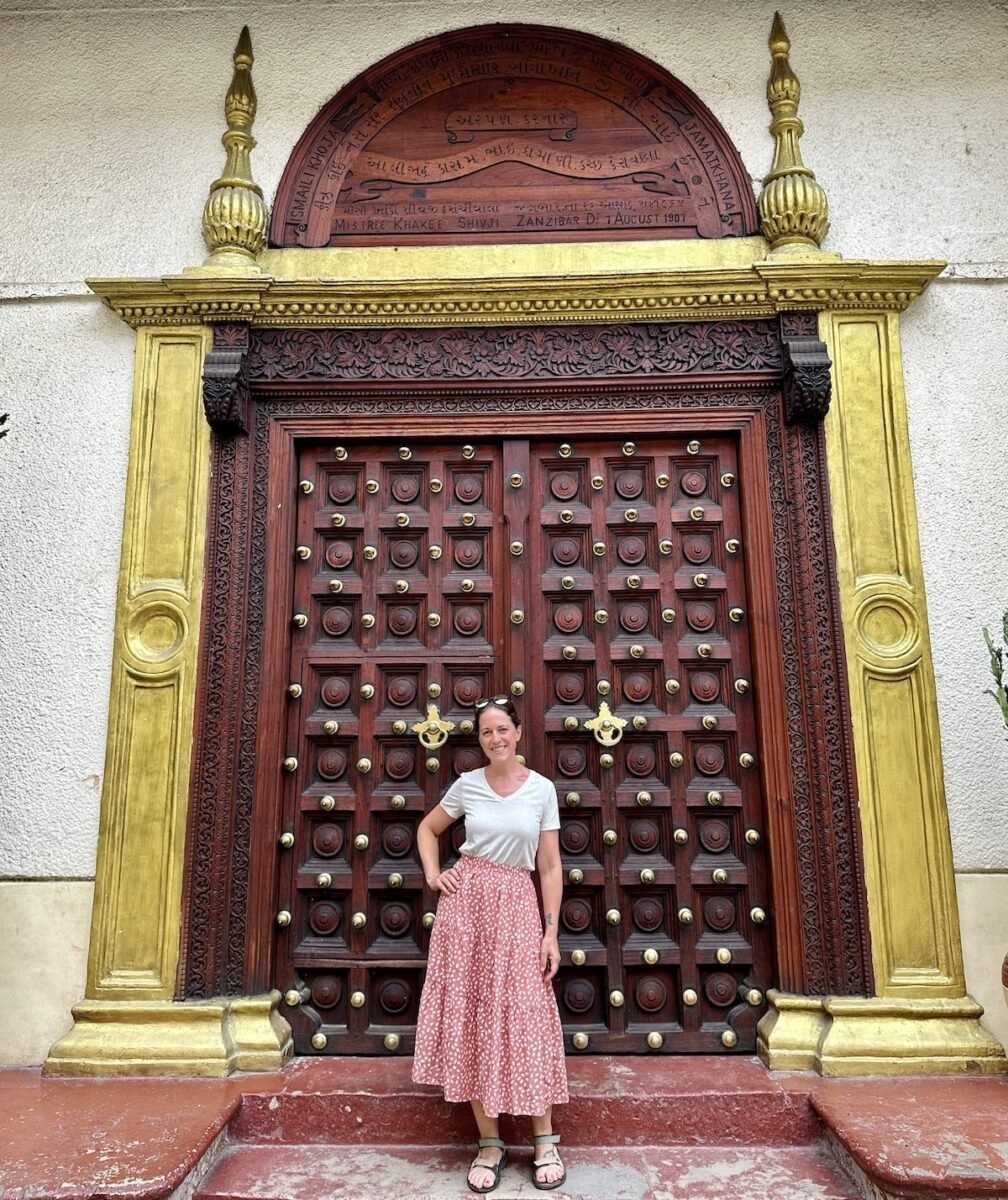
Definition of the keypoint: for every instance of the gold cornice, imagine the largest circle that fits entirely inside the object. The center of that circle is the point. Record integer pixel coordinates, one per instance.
(445, 297)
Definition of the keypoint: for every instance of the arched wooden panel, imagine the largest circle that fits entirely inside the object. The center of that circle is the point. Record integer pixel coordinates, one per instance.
(508, 133)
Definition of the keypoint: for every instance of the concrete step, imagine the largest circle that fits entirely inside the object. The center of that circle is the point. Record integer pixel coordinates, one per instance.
(400, 1172)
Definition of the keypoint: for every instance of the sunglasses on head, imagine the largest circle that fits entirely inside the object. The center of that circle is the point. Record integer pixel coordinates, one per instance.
(496, 701)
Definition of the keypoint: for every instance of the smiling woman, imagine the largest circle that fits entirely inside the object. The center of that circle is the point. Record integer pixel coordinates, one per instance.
(488, 1029)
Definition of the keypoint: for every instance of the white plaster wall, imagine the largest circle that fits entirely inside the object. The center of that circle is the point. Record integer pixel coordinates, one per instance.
(109, 136)
(983, 902)
(65, 378)
(44, 929)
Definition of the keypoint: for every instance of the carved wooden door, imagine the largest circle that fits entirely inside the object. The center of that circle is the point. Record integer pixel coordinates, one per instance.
(649, 736)
(602, 584)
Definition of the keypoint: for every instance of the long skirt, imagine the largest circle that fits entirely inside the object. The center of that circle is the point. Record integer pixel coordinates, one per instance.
(488, 1027)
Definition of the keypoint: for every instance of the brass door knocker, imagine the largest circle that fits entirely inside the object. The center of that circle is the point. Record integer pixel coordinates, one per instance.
(606, 726)
(433, 733)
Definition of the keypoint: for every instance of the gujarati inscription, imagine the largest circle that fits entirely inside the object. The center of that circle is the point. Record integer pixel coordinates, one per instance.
(512, 133)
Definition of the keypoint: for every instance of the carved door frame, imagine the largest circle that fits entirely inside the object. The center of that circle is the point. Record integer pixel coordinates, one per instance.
(285, 382)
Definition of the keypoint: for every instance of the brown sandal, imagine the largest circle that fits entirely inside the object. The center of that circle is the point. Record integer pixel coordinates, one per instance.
(552, 1159)
(495, 1169)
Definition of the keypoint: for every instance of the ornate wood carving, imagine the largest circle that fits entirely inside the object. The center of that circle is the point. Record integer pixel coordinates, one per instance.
(548, 352)
(806, 379)
(833, 956)
(226, 379)
(512, 133)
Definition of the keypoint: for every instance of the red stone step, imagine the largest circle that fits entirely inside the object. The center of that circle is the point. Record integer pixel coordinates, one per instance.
(593, 1173)
(615, 1101)
(944, 1137)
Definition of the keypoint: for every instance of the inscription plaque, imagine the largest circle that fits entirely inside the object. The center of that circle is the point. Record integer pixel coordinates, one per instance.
(512, 133)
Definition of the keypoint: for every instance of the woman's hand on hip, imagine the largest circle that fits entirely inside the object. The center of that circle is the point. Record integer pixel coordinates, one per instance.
(448, 882)
(549, 956)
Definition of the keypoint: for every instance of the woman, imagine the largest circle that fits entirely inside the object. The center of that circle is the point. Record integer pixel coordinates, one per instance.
(488, 1030)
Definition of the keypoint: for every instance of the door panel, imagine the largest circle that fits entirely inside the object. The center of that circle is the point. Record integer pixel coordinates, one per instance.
(642, 621)
(603, 584)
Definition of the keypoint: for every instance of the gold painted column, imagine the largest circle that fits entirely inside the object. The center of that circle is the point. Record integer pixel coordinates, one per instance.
(921, 1018)
(128, 1022)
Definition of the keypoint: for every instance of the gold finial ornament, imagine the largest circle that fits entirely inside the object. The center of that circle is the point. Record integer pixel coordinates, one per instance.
(234, 216)
(792, 206)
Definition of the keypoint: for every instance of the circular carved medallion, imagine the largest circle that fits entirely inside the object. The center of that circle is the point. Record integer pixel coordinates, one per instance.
(629, 484)
(715, 836)
(651, 994)
(336, 620)
(631, 550)
(644, 835)
(709, 759)
(564, 485)
(327, 840)
(406, 488)
(339, 554)
(566, 551)
(468, 619)
(640, 759)
(404, 552)
(335, 691)
(395, 919)
(697, 547)
(569, 687)
(578, 995)
(693, 483)
(397, 839)
(648, 914)
(575, 837)
(705, 686)
(637, 686)
(576, 915)
(324, 917)
(570, 760)
(394, 997)
(700, 616)
(468, 488)
(633, 616)
(466, 690)
(400, 762)
(719, 912)
(332, 764)
(402, 620)
(568, 618)
(466, 759)
(402, 690)
(342, 488)
(326, 991)
(468, 552)
(721, 989)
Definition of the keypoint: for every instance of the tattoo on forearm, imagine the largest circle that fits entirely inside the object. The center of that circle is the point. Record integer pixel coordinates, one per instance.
(549, 918)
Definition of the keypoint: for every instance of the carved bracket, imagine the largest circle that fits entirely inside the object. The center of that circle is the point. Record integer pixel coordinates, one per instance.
(226, 380)
(807, 388)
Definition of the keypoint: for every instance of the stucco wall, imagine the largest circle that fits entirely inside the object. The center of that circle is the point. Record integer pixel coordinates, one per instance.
(110, 135)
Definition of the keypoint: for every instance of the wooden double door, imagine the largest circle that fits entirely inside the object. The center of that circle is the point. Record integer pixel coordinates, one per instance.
(600, 583)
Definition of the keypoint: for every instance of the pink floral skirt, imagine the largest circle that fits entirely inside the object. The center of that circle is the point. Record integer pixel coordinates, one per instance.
(488, 1027)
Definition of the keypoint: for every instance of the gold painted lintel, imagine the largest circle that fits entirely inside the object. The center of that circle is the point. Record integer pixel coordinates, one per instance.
(852, 1035)
(445, 286)
(211, 1038)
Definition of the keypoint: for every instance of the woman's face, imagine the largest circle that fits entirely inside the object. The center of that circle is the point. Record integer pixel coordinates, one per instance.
(498, 735)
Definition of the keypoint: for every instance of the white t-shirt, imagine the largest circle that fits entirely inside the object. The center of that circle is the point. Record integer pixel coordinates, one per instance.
(503, 829)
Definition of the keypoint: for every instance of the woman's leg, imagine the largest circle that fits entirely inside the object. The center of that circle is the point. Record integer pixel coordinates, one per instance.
(553, 1169)
(480, 1174)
